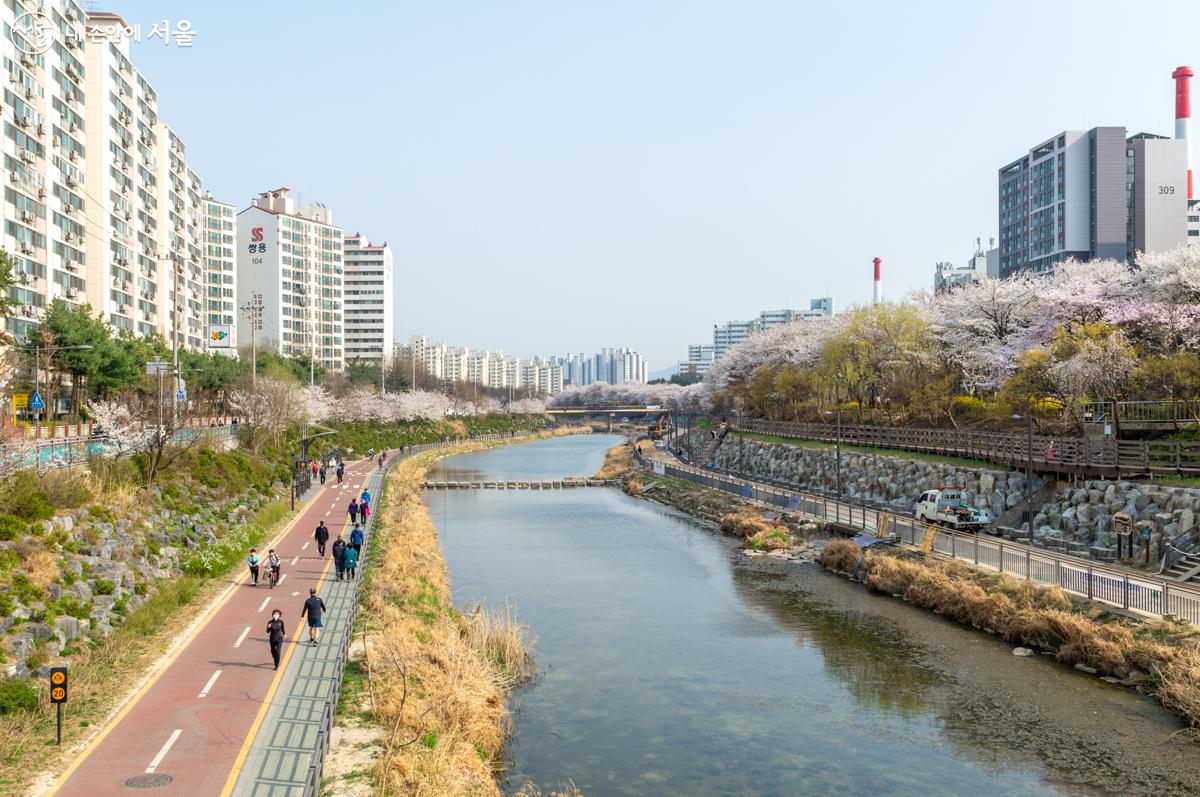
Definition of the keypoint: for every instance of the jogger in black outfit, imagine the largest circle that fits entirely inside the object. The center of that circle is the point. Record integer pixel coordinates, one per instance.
(275, 634)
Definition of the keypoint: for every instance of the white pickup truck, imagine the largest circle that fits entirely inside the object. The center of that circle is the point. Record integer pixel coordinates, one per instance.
(949, 508)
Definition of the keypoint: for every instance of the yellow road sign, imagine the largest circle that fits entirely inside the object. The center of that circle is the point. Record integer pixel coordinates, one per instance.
(20, 401)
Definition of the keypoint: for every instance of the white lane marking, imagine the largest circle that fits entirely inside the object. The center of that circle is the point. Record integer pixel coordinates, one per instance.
(305, 545)
(327, 512)
(163, 752)
(242, 638)
(264, 603)
(211, 681)
(282, 577)
(294, 594)
(295, 559)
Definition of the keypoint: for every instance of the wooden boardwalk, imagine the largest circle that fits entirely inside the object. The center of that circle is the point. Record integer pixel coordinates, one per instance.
(1082, 456)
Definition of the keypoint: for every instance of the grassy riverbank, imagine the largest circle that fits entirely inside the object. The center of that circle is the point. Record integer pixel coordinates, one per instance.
(424, 707)
(1161, 658)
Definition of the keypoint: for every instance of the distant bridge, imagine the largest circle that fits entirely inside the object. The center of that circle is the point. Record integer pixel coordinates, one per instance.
(652, 409)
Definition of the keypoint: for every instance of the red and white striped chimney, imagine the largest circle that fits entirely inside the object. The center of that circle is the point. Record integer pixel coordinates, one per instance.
(878, 284)
(1183, 116)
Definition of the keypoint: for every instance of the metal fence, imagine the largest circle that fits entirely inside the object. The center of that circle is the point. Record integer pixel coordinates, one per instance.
(1082, 455)
(312, 783)
(1142, 593)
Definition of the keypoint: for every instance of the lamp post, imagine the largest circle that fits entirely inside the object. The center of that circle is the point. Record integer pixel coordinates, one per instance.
(837, 449)
(37, 349)
(1028, 468)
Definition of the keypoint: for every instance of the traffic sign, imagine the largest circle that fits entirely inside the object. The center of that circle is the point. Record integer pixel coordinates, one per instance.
(58, 684)
(20, 401)
(36, 403)
(58, 694)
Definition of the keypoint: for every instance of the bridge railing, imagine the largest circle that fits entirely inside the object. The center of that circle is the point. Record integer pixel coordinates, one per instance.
(1143, 593)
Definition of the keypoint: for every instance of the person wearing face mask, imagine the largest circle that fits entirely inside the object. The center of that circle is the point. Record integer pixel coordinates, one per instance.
(275, 634)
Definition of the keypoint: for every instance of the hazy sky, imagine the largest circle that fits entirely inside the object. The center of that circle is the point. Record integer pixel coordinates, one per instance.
(561, 176)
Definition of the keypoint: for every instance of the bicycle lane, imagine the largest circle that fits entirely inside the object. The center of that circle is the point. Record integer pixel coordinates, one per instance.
(184, 731)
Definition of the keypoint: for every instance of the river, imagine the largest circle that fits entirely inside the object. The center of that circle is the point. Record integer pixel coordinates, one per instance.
(674, 665)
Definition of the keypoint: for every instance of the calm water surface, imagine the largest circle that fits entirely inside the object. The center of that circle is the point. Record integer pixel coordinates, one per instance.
(670, 668)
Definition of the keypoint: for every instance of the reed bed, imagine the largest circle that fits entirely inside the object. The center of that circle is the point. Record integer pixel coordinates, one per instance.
(1162, 658)
(437, 678)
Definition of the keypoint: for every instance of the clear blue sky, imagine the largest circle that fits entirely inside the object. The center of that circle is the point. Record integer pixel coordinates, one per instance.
(561, 176)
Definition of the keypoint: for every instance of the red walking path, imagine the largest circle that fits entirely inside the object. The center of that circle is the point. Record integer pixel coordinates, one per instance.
(195, 718)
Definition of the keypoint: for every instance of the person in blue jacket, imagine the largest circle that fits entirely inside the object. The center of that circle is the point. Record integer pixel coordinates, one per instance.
(356, 539)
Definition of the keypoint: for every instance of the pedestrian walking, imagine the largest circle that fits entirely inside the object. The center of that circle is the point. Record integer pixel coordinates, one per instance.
(321, 535)
(352, 510)
(339, 556)
(364, 510)
(350, 558)
(313, 467)
(341, 469)
(322, 474)
(356, 539)
(365, 498)
(275, 634)
(314, 607)
(252, 562)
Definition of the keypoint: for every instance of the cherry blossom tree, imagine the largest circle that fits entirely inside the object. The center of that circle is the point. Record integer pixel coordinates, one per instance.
(123, 433)
(267, 409)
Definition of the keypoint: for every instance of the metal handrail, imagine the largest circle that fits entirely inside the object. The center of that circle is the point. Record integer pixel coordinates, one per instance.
(312, 784)
(1145, 594)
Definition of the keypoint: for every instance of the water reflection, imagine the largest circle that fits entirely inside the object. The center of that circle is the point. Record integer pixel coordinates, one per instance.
(674, 667)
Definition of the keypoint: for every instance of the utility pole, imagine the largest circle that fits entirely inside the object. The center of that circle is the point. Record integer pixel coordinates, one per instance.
(253, 311)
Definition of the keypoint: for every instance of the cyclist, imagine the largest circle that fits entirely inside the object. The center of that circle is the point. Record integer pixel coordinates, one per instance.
(252, 562)
(273, 563)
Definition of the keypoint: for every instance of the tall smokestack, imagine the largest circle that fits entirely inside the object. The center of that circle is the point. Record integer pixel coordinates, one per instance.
(1183, 116)
(878, 284)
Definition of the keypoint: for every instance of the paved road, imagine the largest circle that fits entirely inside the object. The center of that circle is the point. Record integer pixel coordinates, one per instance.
(193, 721)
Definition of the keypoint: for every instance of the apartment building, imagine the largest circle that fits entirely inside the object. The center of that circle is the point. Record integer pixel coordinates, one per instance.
(45, 202)
(219, 240)
(1087, 194)
(367, 300)
(100, 205)
(290, 259)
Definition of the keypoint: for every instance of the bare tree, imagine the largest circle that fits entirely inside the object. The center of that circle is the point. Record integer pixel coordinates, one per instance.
(267, 410)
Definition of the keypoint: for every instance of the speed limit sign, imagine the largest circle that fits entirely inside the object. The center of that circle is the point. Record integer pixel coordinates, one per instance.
(58, 695)
(58, 684)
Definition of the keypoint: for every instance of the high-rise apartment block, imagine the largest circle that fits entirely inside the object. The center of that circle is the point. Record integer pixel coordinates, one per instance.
(101, 206)
(291, 258)
(219, 240)
(367, 300)
(1087, 194)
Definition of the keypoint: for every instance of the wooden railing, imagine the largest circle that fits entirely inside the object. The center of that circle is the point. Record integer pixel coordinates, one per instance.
(1082, 455)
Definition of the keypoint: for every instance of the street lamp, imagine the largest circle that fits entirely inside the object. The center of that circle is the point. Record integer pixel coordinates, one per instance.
(1028, 468)
(37, 349)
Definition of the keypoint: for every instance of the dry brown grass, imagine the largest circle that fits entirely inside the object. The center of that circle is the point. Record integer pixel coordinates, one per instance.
(1167, 655)
(633, 486)
(42, 567)
(437, 678)
(618, 461)
(744, 524)
(840, 555)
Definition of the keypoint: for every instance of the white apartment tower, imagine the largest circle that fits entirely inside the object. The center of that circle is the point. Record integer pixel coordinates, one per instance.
(219, 240)
(291, 259)
(45, 203)
(367, 300)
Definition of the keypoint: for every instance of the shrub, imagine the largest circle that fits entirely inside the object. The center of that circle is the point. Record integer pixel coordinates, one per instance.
(12, 527)
(104, 587)
(22, 495)
(17, 695)
(65, 488)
